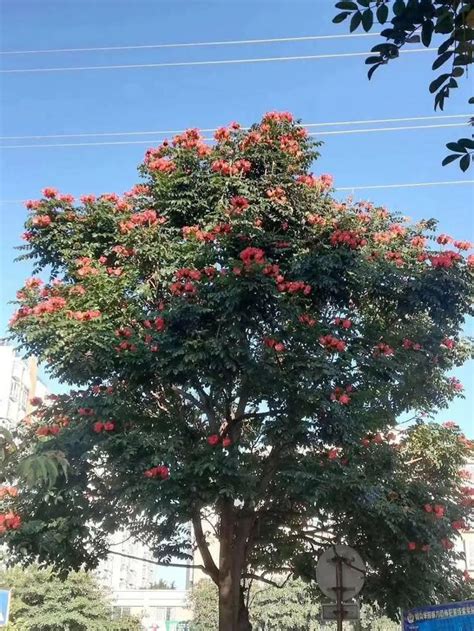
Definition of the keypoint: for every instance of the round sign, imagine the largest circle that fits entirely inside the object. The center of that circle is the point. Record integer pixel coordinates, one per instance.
(352, 572)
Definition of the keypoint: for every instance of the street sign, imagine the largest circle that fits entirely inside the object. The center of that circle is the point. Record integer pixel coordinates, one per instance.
(350, 611)
(352, 569)
(449, 617)
(4, 606)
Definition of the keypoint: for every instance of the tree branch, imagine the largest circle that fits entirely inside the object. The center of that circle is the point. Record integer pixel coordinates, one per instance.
(130, 556)
(262, 579)
(211, 567)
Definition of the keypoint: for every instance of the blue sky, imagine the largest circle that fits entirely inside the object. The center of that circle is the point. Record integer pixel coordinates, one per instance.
(207, 96)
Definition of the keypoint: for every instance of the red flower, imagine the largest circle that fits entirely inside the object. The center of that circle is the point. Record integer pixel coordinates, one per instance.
(305, 318)
(160, 324)
(344, 399)
(332, 344)
(49, 192)
(444, 239)
(87, 199)
(458, 525)
(41, 221)
(438, 510)
(42, 431)
(252, 256)
(109, 426)
(333, 453)
(418, 242)
(239, 204)
(226, 442)
(158, 472)
(448, 343)
(411, 546)
(470, 260)
(213, 440)
(447, 544)
(462, 245)
(36, 401)
(383, 349)
(450, 425)
(98, 427)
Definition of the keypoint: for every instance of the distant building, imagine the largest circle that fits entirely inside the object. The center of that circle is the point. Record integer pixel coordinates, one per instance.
(119, 571)
(19, 382)
(158, 610)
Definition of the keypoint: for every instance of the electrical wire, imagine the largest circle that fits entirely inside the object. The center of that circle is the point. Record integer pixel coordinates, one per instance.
(151, 141)
(164, 132)
(235, 42)
(214, 62)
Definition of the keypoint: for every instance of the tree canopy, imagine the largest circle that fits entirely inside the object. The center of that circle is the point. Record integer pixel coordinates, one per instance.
(43, 601)
(238, 341)
(421, 21)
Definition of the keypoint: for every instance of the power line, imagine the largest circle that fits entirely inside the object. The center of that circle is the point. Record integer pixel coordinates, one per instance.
(408, 185)
(235, 42)
(164, 132)
(343, 188)
(154, 140)
(215, 62)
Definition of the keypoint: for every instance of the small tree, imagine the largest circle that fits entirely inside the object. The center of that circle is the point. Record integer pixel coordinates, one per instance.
(245, 344)
(42, 601)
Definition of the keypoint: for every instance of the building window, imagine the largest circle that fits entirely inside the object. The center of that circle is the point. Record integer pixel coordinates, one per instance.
(469, 547)
(14, 390)
(24, 398)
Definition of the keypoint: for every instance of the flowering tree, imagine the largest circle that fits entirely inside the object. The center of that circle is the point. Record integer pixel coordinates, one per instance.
(244, 345)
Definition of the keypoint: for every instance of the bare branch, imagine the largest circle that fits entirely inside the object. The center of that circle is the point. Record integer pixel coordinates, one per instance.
(186, 565)
(262, 579)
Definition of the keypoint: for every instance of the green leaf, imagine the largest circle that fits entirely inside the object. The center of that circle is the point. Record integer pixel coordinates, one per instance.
(373, 60)
(450, 159)
(464, 162)
(355, 21)
(346, 6)
(382, 13)
(340, 17)
(467, 143)
(427, 32)
(441, 60)
(438, 82)
(373, 69)
(367, 20)
(364, 3)
(454, 146)
(398, 7)
(445, 45)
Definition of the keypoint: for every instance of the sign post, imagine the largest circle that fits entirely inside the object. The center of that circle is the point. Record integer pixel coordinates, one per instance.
(4, 606)
(340, 574)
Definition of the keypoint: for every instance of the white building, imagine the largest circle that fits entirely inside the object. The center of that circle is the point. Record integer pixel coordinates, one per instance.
(120, 572)
(158, 610)
(19, 382)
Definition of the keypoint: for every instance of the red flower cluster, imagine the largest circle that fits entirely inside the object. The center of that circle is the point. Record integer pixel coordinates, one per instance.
(41, 221)
(252, 256)
(123, 251)
(418, 242)
(378, 439)
(436, 509)
(278, 117)
(410, 344)
(215, 439)
(33, 204)
(347, 237)
(9, 521)
(8, 491)
(450, 425)
(448, 343)
(305, 318)
(36, 401)
(225, 168)
(344, 322)
(462, 245)
(459, 524)
(192, 139)
(137, 190)
(447, 544)
(279, 347)
(50, 192)
(277, 195)
(162, 165)
(294, 287)
(158, 472)
(412, 546)
(48, 430)
(145, 218)
(444, 239)
(239, 204)
(224, 133)
(456, 384)
(195, 231)
(334, 453)
(100, 427)
(290, 145)
(445, 259)
(383, 349)
(316, 220)
(84, 316)
(332, 343)
(159, 324)
(341, 395)
(85, 412)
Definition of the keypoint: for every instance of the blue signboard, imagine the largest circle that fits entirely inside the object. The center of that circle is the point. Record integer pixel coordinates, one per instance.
(449, 617)
(4, 606)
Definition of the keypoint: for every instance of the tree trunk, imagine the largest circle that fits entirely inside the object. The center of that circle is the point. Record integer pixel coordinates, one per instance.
(233, 614)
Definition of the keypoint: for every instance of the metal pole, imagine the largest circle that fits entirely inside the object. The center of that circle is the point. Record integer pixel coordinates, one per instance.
(339, 590)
